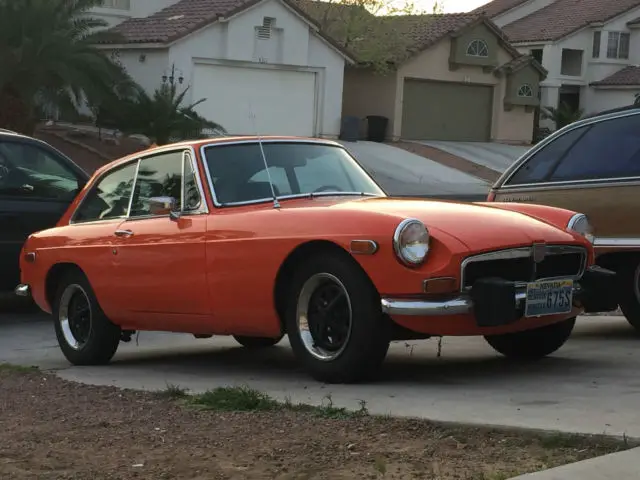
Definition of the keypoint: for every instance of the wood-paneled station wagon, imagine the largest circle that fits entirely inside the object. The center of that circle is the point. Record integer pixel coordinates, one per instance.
(261, 238)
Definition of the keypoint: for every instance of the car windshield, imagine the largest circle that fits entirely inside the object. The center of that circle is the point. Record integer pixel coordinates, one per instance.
(239, 174)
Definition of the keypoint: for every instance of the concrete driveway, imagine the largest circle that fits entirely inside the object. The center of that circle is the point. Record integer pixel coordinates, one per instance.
(496, 156)
(403, 173)
(591, 385)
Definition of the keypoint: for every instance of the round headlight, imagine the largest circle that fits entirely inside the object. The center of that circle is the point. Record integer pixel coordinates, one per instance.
(411, 242)
(580, 224)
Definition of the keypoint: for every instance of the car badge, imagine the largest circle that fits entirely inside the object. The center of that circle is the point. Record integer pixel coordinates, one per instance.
(539, 252)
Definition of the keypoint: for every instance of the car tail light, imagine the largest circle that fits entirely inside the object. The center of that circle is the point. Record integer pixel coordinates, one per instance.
(491, 197)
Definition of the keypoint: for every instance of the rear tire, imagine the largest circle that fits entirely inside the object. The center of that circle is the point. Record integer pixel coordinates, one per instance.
(532, 344)
(85, 335)
(629, 284)
(334, 320)
(257, 342)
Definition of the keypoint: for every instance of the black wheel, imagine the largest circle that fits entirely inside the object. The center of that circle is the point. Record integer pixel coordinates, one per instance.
(85, 335)
(334, 320)
(532, 344)
(629, 288)
(257, 342)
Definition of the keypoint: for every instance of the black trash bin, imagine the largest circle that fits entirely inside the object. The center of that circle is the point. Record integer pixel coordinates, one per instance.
(350, 130)
(377, 128)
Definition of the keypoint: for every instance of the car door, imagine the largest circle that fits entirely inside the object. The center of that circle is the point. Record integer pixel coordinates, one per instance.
(159, 260)
(593, 169)
(37, 185)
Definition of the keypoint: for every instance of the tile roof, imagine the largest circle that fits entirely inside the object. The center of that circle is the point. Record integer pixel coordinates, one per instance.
(628, 76)
(496, 7)
(562, 17)
(187, 16)
(518, 62)
(175, 21)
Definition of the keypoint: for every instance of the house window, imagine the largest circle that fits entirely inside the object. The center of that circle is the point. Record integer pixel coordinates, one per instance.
(264, 32)
(618, 45)
(597, 36)
(478, 48)
(536, 53)
(525, 91)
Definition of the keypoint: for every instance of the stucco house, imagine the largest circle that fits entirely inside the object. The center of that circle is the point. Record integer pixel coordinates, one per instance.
(264, 66)
(456, 79)
(591, 48)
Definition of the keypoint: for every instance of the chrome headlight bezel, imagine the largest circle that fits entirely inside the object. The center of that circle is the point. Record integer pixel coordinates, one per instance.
(400, 243)
(579, 223)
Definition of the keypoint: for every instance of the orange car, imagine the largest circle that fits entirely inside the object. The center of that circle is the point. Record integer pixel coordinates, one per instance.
(202, 237)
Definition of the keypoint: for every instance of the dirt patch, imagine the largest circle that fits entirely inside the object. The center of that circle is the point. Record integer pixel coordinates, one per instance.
(54, 429)
(449, 160)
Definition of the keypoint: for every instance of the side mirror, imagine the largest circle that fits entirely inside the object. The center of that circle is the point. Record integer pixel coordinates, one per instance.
(164, 206)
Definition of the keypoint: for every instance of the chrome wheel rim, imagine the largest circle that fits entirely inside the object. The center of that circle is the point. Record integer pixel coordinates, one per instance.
(74, 315)
(325, 317)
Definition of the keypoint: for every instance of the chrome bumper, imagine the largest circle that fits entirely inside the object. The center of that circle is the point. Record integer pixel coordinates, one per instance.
(23, 290)
(434, 308)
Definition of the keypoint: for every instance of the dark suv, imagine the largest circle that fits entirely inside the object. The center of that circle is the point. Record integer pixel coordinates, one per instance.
(37, 184)
(591, 166)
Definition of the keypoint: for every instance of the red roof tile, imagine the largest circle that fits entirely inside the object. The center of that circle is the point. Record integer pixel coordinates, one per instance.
(497, 7)
(628, 76)
(175, 21)
(562, 17)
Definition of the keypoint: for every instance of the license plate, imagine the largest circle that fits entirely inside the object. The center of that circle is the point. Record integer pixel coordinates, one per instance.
(549, 297)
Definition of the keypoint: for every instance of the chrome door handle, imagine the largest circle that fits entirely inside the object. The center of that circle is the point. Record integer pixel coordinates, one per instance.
(123, 233)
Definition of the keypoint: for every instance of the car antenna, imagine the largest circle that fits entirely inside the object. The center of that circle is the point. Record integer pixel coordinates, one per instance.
(276, 204)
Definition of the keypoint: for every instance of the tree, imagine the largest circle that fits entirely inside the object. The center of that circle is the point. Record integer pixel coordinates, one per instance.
(160, 116)
(49, 61)
(364, 27)
(438, 7)
(561, 116)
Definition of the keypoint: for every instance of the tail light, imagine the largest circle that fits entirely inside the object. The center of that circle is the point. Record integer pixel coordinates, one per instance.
(492, 196)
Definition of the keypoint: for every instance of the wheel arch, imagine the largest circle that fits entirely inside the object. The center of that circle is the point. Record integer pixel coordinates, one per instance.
(295, 258)
(53, 277)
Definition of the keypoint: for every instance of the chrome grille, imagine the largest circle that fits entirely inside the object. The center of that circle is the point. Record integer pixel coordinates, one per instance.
(518, 265)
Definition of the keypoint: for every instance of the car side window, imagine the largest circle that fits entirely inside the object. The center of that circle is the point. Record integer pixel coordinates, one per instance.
(158, 176)
(28, 171)
(610, 149)
(110, 197)
(192, 198)
(537, 168)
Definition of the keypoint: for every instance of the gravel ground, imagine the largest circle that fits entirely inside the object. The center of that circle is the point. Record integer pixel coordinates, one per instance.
(54, 429)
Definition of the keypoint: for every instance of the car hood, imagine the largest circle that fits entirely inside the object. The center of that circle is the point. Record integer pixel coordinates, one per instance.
(479, 227)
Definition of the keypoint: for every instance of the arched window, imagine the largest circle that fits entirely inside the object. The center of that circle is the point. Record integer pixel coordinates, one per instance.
(525, 91)
(478, 48)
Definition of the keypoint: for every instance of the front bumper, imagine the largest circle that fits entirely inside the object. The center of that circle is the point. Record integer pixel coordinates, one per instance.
(498, 302)
(23, 290)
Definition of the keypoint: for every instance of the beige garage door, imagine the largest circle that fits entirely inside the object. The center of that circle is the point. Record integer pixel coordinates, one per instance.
(446, 111)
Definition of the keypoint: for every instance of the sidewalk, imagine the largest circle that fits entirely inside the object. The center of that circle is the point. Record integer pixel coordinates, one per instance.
(619, 466)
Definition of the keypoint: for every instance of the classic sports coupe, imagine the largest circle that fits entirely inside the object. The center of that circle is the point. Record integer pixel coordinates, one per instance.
(262, 237)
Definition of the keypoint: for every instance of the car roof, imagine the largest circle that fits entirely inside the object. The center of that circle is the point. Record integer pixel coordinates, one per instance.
(13, 136)
(626, 108)
(197, 144)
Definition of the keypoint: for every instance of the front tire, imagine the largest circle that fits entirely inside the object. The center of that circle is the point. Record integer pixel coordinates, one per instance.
(532, 344)
(629, 283)
(257, 342)
(334, 320)
(85, 335)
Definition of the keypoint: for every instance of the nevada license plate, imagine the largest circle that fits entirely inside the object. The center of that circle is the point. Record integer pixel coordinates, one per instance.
(549, 297)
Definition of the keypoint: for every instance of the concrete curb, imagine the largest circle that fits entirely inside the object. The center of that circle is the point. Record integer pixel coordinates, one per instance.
(619, 466)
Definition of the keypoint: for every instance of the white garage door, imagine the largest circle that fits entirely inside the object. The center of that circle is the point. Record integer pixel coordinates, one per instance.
(283, 101)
